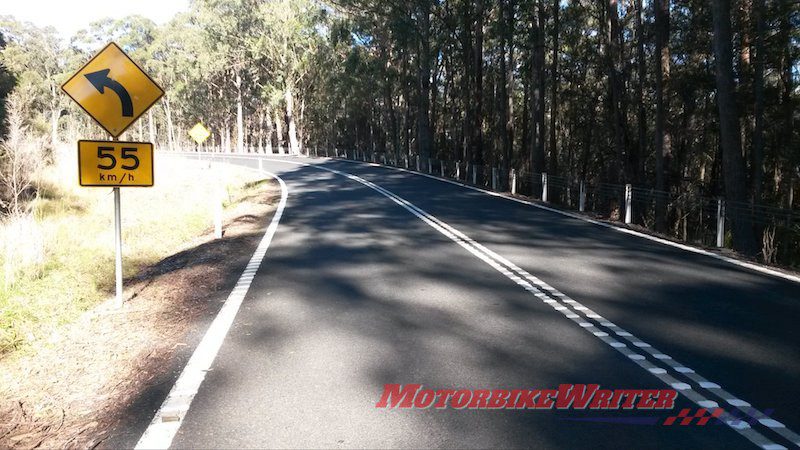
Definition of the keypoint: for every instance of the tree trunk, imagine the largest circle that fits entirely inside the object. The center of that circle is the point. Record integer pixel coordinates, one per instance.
(553, 164)
(614, 58)
(170, 131)
(477, 125)
(301, 129)
(787, 64)
(642, 112)
(506, 20)
(537, 90)
(663, 141)
(466, 82)
(424, 82)
(261, 131)
(279, 131)
(268, 117)
(151, 128)
(54, 115)
(730, 137)
(239, 114)
(758, 106)
(294, 147)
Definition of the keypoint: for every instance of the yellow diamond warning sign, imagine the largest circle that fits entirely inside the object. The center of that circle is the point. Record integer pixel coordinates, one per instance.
(199, 133)
(113, 89)
(115, 163)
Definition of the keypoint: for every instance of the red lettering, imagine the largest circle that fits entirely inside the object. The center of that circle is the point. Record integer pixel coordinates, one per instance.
(601, 400)
(580, 394)
(424, 398)
(526, 398)
(479, 398)
(648, 399)
(666, 399)
(403, 396)
(461, 398)
(499, 398)
(444, 395)
(630, 397)
(544, 401)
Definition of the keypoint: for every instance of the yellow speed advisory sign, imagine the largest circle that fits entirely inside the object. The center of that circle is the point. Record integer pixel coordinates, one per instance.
(199, 133)
(115, 163)
(113, 89)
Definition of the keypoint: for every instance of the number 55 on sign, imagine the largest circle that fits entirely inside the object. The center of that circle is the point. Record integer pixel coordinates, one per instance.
(115, 163)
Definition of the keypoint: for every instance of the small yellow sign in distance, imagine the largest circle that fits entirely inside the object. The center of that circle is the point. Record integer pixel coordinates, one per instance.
(113, 89)
(115, 164)
(199, 133)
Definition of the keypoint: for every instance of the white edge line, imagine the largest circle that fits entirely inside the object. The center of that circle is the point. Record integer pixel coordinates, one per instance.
(167, 420)
(688, 248)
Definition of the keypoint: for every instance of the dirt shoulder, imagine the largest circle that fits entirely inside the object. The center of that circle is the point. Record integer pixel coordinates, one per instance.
(79, 390)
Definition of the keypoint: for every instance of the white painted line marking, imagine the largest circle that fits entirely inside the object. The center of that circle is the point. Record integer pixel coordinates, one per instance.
(772, 423)
(773, 447)
(162, 429)
(737, 402)
(708, 404)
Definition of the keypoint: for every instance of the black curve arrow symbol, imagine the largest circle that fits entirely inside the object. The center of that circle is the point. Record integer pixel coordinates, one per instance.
(100, 80)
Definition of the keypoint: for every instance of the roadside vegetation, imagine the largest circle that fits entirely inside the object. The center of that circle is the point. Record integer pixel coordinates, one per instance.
(58, 253)
(687, 101)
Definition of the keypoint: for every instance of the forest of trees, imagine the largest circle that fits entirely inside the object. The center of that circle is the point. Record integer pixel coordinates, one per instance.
(671, 96)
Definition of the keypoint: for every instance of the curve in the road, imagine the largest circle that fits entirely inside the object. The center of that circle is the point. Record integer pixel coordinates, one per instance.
(593, 323)
(662, 366)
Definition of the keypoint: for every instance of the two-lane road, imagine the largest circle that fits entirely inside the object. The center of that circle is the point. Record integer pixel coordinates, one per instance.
(379, 276)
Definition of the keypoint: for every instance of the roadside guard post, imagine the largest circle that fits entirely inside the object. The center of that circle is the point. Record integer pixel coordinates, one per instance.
(115, 92)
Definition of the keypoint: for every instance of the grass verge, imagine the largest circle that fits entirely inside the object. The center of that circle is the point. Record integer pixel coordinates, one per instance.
(71, 233)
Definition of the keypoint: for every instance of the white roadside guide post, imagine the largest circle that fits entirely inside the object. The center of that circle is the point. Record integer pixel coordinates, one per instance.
(513, 182)
(628, 203)
(115, 100)
(720, 223)
(544, 187)
(218, 208)
(582, 197)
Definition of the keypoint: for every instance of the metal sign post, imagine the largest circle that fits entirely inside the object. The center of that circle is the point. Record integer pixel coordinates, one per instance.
(118, 245)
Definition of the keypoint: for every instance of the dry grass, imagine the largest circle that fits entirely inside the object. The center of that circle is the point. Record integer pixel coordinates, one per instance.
(58, 260)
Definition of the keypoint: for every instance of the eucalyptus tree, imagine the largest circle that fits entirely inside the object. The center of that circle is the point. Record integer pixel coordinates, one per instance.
(289, 43)
(38, 59)
(7, 82)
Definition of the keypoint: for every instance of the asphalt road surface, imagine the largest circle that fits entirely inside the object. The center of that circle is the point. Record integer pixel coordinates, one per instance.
(377, 276)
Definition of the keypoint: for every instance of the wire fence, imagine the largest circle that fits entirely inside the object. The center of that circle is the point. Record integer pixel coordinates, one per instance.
(686, 216)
